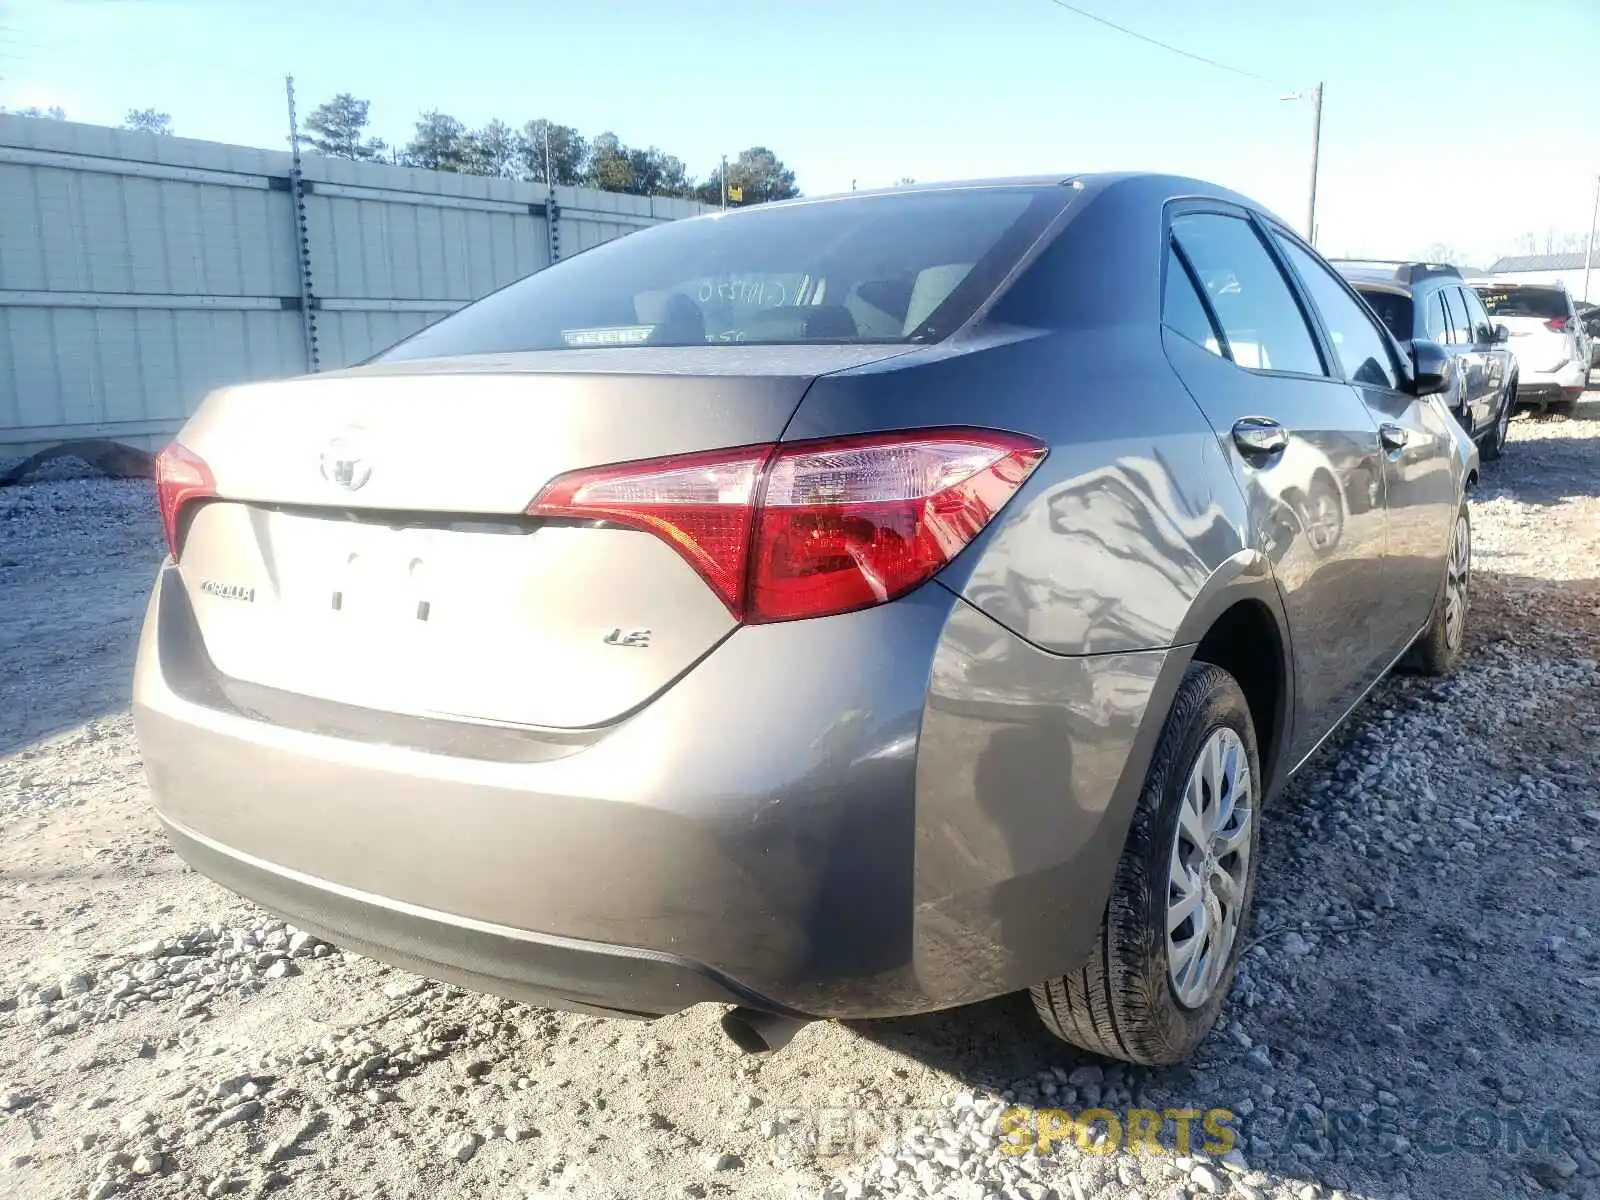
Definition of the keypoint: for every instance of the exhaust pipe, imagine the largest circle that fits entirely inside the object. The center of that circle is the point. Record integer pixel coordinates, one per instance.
(757, 1032)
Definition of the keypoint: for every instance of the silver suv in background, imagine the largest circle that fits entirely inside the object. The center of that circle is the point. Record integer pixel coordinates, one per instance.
(1430, 301)
(1549, 341)
(840, 608)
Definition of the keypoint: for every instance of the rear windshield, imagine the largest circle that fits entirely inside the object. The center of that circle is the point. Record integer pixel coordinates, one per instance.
(904, 267)
(1393, 310)
(1526, 302)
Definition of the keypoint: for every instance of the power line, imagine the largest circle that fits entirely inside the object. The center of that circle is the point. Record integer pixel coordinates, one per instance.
(1134, 33)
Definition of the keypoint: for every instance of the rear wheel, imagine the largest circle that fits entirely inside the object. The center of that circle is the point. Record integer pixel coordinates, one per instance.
(1436, 651)
(1174, 925)
(1495, 443)
(1563, 408)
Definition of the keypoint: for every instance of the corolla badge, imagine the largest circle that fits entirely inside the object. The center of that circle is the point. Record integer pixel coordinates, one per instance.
(345, 461)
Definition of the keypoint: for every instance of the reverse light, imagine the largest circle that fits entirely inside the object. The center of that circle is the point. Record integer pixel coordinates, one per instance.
(809, 529)
(181, 476)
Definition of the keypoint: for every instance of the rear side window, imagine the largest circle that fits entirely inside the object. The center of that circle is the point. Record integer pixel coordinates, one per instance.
(1359, 343)
(1393, 309)
(1182, 310)
(1544, 303)
(1264, 327)
(896, 268)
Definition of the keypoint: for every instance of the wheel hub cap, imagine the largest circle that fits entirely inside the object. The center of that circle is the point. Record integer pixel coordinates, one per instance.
(1209, 867)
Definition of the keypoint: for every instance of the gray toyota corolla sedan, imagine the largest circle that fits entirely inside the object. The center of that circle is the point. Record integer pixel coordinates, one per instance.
(841, 608)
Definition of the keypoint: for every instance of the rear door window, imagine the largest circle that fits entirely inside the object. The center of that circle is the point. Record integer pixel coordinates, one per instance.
(1359, 343)
(1477, 316)
(1393, 309)
(1260, 318)
(1182, 310)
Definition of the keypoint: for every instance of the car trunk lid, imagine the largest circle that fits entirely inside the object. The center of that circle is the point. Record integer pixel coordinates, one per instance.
(369, 544)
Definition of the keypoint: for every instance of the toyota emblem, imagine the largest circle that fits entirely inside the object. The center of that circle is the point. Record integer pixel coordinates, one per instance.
(344, 462)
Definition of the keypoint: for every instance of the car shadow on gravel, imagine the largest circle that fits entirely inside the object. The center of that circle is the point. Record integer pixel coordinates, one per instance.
(1565, 464)
(1413, 1014)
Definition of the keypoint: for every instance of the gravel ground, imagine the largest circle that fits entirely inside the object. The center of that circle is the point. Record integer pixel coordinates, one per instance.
(1416, 1016)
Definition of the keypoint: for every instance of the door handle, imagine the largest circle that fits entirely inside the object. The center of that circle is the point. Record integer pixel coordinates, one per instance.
(1259, 437)
(1393, 437)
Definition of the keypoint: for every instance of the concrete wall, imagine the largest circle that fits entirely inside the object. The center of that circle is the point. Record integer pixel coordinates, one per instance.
(138, 272)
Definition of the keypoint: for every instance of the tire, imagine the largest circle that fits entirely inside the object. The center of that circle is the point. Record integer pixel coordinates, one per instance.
(1566, 409)
(1437, 650)
(1124, 1002)
(1495, 443)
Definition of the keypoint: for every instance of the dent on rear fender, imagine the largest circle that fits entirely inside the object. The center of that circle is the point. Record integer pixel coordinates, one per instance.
(1028, 767)
(1109, 551)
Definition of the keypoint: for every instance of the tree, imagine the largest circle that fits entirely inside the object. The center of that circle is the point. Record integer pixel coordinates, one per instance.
(335, 128)
(441, 143)
(569, 153)
(1439, 252)
(904, 181)
(609, 168)
(654, 172)
(1551, 242)
(494, 150)
(54, 113)
(148, 120)
(755, 177)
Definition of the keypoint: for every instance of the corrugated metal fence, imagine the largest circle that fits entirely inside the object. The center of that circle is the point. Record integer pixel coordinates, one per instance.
(137, 272)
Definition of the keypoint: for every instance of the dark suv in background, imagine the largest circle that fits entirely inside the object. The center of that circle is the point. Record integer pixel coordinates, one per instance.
(1432, 301)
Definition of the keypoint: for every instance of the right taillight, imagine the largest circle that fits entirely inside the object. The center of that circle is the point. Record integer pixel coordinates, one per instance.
(1558, 324)
(809, 529)
(181, 476)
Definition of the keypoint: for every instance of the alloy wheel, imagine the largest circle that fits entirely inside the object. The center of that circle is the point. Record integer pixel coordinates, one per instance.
(1457, 573)
(1323, 522)
(1210, 866)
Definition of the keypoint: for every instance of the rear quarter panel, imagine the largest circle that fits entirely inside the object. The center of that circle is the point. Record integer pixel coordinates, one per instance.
(1118, 531)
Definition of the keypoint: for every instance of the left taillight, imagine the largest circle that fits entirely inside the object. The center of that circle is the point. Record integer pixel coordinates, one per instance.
(810, 529)
(181, 477)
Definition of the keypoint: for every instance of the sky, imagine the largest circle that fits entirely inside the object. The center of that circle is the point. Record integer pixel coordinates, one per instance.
(1465, 123)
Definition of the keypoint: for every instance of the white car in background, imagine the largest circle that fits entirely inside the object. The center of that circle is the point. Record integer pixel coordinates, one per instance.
(1548, 339)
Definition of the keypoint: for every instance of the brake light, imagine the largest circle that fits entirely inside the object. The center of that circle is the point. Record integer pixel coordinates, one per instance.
(809, 529)
(1557, 324)
(181, 476)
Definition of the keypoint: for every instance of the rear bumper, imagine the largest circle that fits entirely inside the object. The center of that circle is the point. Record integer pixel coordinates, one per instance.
(536, 969)
(888, 812)
(1545, 387)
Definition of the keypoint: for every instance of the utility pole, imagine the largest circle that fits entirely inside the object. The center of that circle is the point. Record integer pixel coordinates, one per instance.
(549, 179)
(1316, 152)
(302, 232)
(724, 181)
(1588, 253)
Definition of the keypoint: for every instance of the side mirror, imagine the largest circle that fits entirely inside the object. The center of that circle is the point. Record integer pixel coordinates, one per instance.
(1501, 334)
(1432, 369)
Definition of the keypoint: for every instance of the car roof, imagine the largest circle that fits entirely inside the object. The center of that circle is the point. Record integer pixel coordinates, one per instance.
(1149, 183)
(1399, 274)
(1363, 283)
